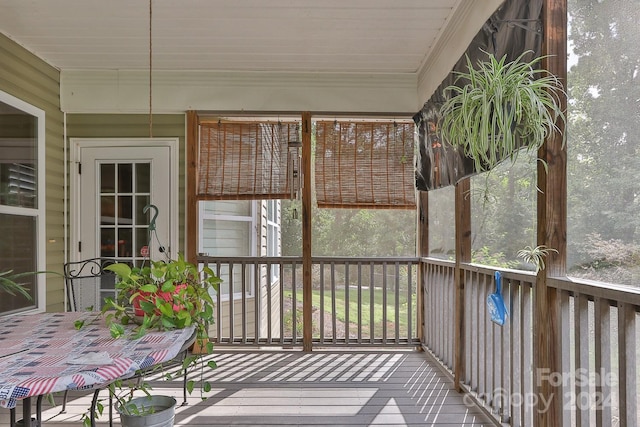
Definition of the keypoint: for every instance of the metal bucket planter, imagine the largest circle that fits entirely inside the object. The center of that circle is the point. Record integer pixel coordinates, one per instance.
(148, 411)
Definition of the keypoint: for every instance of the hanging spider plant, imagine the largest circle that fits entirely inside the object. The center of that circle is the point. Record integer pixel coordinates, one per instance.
(535, 256)
(503, 107)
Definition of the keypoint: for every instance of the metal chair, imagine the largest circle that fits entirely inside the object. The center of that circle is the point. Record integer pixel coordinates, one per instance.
(88, 283)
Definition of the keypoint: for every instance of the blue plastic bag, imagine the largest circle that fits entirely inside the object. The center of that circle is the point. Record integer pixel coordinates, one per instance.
(495, 303)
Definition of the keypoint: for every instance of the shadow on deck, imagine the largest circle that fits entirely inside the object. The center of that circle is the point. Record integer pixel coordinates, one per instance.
(287, 388)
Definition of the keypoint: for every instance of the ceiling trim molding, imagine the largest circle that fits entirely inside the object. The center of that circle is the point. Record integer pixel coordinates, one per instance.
(467, 20)
(93, 91)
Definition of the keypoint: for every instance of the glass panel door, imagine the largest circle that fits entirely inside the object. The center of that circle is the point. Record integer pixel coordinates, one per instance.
(121, 190)
(124, 222)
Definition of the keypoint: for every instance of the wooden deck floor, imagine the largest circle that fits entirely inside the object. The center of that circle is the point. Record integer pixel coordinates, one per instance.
(323, 388)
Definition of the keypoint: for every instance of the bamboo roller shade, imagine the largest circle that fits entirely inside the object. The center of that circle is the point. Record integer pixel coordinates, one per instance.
(246, 160)
(365, 165)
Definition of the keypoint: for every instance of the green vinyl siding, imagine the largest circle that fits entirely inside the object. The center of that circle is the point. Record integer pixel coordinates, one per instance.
(136, 126)
(226, 238)
(227, 207)
(30, 79)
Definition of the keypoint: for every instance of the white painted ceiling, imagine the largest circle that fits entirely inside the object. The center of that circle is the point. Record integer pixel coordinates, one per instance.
(344, 36)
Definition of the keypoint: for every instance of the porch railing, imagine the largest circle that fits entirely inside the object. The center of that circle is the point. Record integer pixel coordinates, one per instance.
(356, 301)
(599, 345)
(499, 359)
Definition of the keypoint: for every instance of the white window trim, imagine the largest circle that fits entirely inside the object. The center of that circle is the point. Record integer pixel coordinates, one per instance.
(40, 212)
(277, 228)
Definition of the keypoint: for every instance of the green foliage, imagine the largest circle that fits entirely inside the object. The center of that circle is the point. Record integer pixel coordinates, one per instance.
(354, 308)
(604, 139)
(611, 252)
(169, 294)
(495, 259)
(288, 318)
(351, 232)
(291, 223)
(503, 210)
(535, 256)
(502, 107)
(610, 260)
(8, 284)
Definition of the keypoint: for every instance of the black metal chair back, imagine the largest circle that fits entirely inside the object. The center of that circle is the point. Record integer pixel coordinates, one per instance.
(88, 283)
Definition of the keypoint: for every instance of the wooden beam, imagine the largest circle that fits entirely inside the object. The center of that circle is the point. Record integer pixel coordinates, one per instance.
(423, 251)
(552, 206)
(463, 254)
(191, 215)
(307, 307)
(552, 226)
(423, 223)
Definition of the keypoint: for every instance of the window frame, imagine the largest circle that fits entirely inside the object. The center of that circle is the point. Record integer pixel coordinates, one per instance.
(273, 236)
(39, 212)
(250, 219)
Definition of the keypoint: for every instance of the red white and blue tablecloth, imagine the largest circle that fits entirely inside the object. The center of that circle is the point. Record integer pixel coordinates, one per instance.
(44, 353)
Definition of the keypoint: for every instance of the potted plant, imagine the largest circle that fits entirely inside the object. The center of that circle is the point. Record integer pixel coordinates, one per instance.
(501, 107)
(163, 295)
(535, 256)
(148, 410)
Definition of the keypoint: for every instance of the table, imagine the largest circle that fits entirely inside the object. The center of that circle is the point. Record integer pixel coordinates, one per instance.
(44, 353)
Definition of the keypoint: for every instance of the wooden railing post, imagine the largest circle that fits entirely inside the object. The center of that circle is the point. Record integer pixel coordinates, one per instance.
(463, 254)
(307, 307)
(552, 229)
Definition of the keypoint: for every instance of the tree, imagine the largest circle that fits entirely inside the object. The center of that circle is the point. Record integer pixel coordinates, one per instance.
(351, 232)
(604, 125)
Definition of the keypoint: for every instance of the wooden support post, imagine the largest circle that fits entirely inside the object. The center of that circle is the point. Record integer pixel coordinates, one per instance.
(552, 228)
(423, 251)
(463, 254)
(307, 326)
(423, 223)
(191, 216)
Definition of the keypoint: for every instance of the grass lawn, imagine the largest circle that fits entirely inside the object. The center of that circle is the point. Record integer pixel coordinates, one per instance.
(366, 308)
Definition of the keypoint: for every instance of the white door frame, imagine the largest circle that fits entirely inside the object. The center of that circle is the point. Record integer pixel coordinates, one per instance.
(77, 144)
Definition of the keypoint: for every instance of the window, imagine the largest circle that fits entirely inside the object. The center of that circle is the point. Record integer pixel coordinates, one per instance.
(273, 236)
(603, 146)
(228, 229)
(503, 213)
(22, 222)
(442, 240)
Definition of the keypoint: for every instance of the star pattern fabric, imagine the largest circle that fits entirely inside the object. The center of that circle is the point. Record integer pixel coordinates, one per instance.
(44, 353)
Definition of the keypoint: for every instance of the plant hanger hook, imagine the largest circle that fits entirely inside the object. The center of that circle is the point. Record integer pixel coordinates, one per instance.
(152, 229)
(152, 223)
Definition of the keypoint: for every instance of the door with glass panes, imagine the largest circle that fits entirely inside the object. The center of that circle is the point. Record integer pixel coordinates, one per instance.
(121, 191)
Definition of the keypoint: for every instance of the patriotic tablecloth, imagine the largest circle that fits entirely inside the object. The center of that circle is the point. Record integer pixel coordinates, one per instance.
(44, 353)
